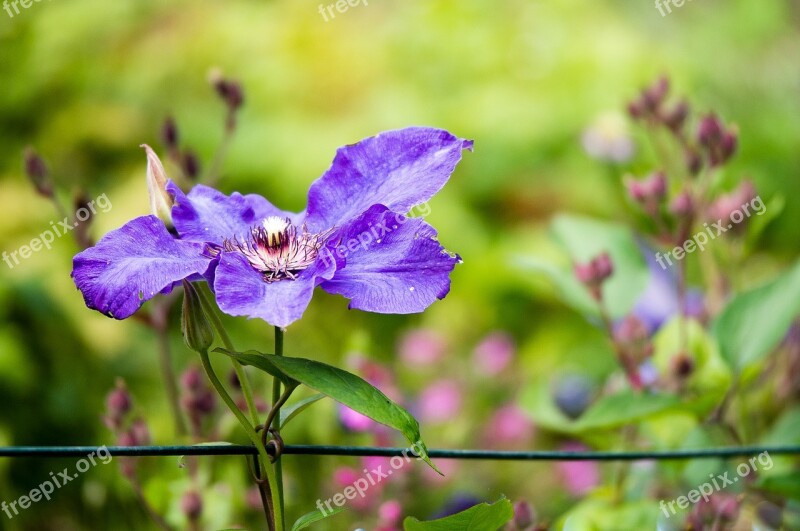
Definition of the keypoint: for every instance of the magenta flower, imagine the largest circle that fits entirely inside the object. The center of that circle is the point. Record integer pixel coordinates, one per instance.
(441, 401)
(422, 347)
(495, 353)
(353, 239)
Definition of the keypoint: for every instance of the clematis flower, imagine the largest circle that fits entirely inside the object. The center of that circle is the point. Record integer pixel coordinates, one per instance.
(353, 239)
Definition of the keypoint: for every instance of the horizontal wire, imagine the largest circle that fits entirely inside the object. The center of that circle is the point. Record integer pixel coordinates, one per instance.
(369, 451)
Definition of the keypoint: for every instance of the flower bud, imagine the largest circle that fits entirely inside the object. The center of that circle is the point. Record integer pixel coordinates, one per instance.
(230, 91)
(190, 164)
(633, 338)
(118, 404)
(36, 170)
(169, 134)
(524, 515)
(694, 162)
(196, 329)
(728, 146)
(654, 95)
(594, 273)
(192, 505)
(160, 200)
(192, 379)
(676, 117)
(682, 366)
(683, 205)
(709, 131)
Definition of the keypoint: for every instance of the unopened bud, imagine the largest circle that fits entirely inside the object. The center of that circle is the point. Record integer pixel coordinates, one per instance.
(160, 200)
(524, 515)
(230, 91)
(676, 117)
(192, 379)
(36, 170)
(633, 338)
(694, 162)
(192, 505)
(190, 164)
(594, 273)
(118, 404)
(682, 206)
(709, 131)
(682, 366)
(169, 134)
(728, 146)
(654, 95)
(196, 329)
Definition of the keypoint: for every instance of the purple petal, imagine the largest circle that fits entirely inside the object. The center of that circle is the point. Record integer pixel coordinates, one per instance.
(394, 264)
(241, 290)
(130, 265)
(207, 215)
(399, 169)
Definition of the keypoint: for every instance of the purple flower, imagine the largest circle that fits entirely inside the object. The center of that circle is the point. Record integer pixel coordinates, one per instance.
(353, 239)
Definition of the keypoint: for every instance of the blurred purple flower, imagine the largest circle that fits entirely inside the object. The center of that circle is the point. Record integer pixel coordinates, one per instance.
(494, 353)
(440, 401)
(422, 347)
(578, 477)
(456, 504)
(659, 302)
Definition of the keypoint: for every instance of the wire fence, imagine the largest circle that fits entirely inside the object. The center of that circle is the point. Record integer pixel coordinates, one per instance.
(373, 451)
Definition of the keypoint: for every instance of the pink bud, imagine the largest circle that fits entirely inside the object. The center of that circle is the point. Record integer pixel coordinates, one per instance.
(494, 353)
(192, 505)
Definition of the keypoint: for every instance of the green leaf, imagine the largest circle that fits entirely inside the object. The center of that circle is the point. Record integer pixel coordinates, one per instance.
(288, 413)
(313, 517)
(344, 387)
(754, 322)
(625, 407)
(788, 485)
(481, 517)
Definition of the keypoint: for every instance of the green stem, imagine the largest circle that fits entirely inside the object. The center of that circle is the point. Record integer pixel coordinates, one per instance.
(211, 312)
(251, 432)
(276, 412)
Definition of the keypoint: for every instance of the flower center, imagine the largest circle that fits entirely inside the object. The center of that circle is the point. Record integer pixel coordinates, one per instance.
(277, 250)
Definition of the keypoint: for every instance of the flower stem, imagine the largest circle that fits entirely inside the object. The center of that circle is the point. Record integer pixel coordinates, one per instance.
(251, 433)
(275, 518)
(276, 414)
(211, 312)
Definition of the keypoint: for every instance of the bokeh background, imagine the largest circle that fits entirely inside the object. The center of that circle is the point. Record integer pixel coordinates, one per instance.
(87, 81)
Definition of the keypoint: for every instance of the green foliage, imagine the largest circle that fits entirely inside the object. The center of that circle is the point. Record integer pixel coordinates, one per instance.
(481, 517)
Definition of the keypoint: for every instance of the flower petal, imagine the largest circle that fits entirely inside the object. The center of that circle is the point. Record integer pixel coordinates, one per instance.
(399, 169)
(132, 264)
(394, 264)
(208, 215)
(241, 290)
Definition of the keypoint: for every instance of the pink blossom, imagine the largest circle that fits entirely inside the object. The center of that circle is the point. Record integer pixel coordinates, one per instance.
(441, 401)
(422, 347)
(494, 353)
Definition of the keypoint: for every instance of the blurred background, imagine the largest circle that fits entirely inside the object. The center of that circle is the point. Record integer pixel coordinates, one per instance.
(87, 81)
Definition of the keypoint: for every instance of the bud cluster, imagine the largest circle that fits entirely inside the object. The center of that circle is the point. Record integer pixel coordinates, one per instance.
(128, 428)
(594, 273)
